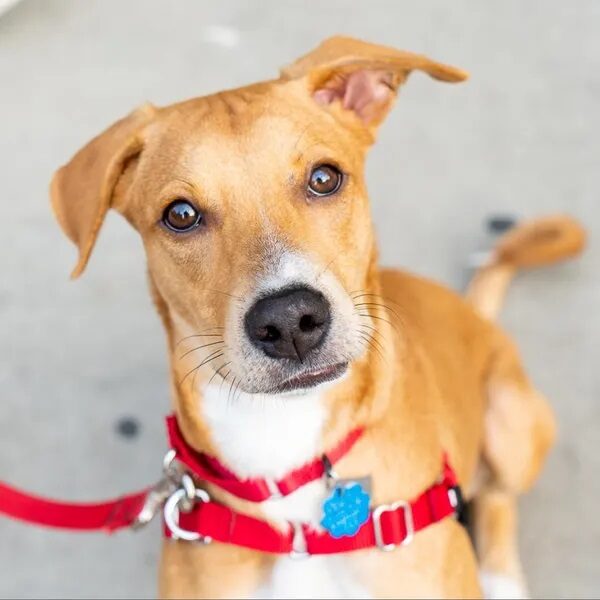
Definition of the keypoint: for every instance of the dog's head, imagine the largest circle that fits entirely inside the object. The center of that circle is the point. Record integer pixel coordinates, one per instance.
(253, 211)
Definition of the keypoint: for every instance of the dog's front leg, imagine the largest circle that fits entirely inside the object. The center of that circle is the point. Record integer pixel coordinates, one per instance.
(191, 570)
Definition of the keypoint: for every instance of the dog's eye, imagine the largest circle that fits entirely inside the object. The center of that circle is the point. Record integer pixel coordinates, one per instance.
(324, 180)
(181, 216)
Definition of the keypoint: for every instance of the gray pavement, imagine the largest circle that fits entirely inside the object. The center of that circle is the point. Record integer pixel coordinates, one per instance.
(520, 138)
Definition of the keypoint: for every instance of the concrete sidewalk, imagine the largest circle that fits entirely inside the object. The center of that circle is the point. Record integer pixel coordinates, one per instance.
(520, 138)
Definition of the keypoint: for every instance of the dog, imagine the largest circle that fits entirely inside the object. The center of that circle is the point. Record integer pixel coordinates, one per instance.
(284, 334)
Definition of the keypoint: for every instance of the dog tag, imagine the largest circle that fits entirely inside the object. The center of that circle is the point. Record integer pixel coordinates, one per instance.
(346, 509)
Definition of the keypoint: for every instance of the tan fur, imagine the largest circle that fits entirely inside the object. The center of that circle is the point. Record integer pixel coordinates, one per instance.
(449, 380)
(531, 244)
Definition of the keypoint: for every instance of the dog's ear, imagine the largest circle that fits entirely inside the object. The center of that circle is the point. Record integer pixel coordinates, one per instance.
(361, 78)
(83, 190)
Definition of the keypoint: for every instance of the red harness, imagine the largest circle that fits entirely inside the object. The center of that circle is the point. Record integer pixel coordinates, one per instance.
(190, 514)
(208, 468)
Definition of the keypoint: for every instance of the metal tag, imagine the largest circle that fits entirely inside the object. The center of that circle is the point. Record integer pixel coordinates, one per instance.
(346, 509)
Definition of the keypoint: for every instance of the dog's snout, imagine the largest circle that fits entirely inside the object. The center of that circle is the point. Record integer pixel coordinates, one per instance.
(290, 323)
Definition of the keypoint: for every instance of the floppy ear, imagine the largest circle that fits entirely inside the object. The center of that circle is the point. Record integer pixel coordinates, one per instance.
(82, 190)
(362, 78)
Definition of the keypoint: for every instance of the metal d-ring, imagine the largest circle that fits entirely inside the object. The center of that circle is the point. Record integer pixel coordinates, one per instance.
(171, 514)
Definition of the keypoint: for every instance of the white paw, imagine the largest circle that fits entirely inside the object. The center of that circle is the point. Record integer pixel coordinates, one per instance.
(496, 586)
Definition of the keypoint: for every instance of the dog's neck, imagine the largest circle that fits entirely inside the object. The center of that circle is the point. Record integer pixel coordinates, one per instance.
(264, 435)
(268, 435)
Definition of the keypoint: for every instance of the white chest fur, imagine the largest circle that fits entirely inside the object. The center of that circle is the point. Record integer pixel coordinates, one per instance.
(264, 435)
(268, 436)
(315, 577)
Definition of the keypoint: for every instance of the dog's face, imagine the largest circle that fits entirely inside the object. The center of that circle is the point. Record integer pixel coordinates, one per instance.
(253, 211)
(256, 227)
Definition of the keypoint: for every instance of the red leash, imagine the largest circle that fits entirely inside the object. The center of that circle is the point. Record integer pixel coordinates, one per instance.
(108, 516)
(123, 511)
(201, 519)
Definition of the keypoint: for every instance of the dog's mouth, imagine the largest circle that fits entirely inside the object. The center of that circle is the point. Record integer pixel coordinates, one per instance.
(310, 379)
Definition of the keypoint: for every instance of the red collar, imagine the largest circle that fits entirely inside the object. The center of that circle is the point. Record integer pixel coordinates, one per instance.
(210, 469)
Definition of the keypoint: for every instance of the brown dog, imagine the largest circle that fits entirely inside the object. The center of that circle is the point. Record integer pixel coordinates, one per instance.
(284, 334)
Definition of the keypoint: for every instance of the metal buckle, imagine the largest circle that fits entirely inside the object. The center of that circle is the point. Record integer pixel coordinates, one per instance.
(176, 503)
(409, 524)
(453, 499)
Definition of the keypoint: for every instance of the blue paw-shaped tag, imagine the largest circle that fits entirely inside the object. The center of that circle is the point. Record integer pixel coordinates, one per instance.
(346, 510)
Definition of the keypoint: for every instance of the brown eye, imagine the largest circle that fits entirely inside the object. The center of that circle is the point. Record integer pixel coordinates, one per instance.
(324, 180)
(181, 216)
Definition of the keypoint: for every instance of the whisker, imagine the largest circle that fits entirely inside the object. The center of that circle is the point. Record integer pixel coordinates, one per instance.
(217, 372)
(223, 380)
(386, 298)
(393, 325)
(200, 334)
(216, 354)
(375, 341)
(377, 304)
(369, 341)
(230, 389)
(193, 385)
(193, 382)
(376, 317)
(370, 327)
(319, 141)
(204, 362)
(325, 269)
(375, 332)
(200, 348)
(223, 293)
(238, 391)
(301, 136)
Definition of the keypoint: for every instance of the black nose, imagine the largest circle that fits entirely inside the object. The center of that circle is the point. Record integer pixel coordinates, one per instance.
(290, 323)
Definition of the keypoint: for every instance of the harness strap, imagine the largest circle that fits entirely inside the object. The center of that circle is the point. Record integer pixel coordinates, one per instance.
(209, 469)
(388, 525)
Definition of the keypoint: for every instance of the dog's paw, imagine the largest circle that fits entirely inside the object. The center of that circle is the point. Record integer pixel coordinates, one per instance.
(496, 586)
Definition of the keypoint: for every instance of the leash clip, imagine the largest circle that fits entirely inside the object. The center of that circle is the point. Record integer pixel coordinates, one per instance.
(160, 492)
(155, 499)
(174, 479)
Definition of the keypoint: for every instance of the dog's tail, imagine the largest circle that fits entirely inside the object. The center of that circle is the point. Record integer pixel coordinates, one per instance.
(530, 244)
